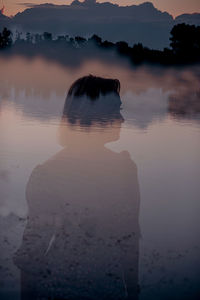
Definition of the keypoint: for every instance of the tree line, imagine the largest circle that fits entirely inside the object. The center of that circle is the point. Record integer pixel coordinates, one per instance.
(184, 45)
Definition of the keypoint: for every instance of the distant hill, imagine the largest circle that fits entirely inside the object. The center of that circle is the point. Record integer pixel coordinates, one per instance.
(191, 19)
(4, 21)
(135, 24)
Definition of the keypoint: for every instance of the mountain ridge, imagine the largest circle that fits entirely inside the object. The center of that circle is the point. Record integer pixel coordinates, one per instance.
(141, 23)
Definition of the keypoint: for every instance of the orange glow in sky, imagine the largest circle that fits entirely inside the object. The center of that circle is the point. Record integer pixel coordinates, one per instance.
(174, 7)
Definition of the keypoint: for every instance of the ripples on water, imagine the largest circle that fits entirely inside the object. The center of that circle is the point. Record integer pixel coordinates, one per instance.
(158, 140)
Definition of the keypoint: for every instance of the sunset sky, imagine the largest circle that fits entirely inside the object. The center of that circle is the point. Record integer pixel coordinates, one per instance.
(174, 7)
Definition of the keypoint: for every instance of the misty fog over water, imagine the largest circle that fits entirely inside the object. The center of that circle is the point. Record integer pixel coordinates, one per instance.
(161, 133)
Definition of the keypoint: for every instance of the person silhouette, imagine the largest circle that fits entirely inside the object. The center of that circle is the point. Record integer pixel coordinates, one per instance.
(82, 235)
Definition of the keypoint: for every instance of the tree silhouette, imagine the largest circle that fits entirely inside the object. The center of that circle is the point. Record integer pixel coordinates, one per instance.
(185, 41)
(185, 46)
(29, 37)
(47, 36)
(80, 39)
(96, 39)
(122, 47)
(5, 38)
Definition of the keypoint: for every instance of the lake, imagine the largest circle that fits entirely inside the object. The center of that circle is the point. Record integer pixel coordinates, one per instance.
(160, 134)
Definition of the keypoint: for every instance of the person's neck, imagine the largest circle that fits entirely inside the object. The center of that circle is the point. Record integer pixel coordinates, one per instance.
(86, 147)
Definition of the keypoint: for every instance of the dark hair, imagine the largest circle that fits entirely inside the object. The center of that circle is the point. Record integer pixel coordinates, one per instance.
(93, 99)
(93, 86)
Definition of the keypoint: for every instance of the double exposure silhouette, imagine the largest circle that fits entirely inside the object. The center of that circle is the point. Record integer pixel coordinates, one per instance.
(81, 240)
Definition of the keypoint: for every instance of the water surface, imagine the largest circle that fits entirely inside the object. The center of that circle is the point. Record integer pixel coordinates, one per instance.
(160, 131)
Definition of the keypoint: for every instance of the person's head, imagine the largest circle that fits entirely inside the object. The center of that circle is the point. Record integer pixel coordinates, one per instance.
(93, 105)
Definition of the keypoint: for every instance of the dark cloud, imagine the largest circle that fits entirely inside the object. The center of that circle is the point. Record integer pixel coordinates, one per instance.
(26, 4)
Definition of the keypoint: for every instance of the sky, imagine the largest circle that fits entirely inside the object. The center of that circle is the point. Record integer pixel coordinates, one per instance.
(174, 7)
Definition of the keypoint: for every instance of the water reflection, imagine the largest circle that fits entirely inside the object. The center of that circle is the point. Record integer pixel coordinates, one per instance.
(82, 236)
(147, 92)
(165, 150)
(185, 105)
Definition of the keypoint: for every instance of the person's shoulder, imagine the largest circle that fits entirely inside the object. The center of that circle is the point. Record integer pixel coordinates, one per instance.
(37, 174)
(36, 180)
(38, 169)
(125, 155)
(122, 163)
(44, 169)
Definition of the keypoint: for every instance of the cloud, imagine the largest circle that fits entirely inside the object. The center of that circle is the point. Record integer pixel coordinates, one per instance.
(141, 109)
(27, 4)
(33, 5)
